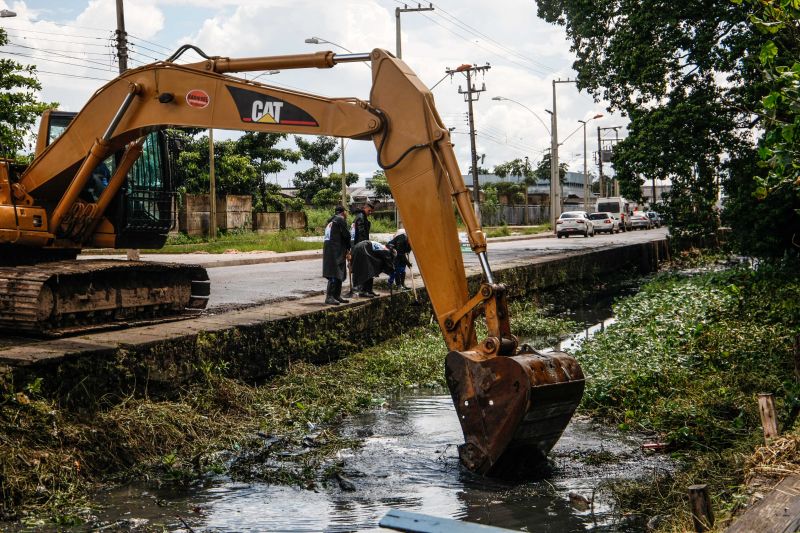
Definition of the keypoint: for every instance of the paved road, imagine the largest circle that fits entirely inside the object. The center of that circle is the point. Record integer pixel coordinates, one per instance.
(241, 286)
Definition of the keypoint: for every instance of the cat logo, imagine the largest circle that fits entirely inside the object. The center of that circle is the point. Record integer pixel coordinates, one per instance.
(257, 107)
(266, 112)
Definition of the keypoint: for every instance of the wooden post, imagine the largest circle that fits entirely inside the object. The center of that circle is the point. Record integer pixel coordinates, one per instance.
(766, 406)
(702, 515)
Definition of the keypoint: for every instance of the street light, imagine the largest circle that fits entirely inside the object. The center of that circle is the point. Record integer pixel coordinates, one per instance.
(501, 98)
(320, 40)
(267, 73)
(5, 13)
(585, 164)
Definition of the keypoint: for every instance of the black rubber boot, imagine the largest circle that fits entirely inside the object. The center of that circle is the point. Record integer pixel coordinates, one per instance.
(338, 293)
(365, 291)
(401, 282)
(330, 299)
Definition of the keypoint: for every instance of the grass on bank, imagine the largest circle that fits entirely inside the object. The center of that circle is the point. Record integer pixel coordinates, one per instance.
(242, 241)
(51, 456)
(684, 363)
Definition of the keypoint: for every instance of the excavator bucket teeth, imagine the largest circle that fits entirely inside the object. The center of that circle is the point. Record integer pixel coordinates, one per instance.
(512, 409)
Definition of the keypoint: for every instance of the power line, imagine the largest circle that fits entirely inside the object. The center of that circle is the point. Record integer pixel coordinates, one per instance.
(37, 39)
(497, 43)
(494, 53)
(54, 61)
(100, 54)
(537, 70)
(146, 48)
(71, 75)
(61, 55)
(26, 30)
(150, 42)
(134, 51)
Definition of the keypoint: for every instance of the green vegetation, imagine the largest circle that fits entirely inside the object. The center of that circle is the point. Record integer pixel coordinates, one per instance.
(684, 362)
(243, 241)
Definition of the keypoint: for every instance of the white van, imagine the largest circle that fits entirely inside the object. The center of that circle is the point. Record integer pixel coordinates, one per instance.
(620, 209)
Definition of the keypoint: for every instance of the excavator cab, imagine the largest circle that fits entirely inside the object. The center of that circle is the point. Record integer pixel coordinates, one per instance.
(143, 211)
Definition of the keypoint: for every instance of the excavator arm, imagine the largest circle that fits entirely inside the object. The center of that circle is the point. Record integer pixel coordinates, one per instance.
(510, 402)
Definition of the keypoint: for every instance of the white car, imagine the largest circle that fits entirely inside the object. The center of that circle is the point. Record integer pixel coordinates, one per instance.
(574, 223)
(604, 222)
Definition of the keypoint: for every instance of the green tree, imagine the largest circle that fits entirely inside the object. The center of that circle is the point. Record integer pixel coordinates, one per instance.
(267, 158)
(491, 201)
(322, 153)
(521, 168)
(684, 72)
(19, 106)
(240, 167)
(779, 22)
(381, 185)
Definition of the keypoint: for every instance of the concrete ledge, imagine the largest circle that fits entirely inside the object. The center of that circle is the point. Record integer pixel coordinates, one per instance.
(257, 342)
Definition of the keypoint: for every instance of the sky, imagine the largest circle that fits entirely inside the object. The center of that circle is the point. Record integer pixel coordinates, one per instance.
(71, 43)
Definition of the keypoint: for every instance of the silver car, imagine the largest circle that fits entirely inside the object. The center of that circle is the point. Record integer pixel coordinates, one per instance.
(574, 223)
(604, 222)
(640, 220)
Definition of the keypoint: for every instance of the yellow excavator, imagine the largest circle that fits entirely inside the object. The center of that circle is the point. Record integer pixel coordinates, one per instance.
(513, 403)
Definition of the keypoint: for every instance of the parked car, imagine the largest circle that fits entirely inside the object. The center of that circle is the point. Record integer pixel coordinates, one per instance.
(640, 220)
(604, 222)
(574, 223)
(655, 218)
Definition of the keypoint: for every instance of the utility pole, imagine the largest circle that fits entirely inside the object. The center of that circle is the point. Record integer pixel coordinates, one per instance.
(405, 9)
(614, 186)
(600, 164)
(555, 173)
(212, 186)
(586, 187)
(344, 179)
(122, 57)
(122, 38)
(468, 71)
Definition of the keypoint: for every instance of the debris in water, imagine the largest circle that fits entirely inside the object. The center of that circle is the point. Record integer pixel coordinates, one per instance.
(344, 483)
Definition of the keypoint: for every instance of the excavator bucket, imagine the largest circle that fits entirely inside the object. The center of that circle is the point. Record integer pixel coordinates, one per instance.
(512, 409)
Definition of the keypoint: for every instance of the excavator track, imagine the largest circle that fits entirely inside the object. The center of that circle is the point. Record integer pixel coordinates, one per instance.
(60, 297)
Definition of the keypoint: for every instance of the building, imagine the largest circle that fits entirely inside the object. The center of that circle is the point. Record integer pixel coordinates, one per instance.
(539, 194)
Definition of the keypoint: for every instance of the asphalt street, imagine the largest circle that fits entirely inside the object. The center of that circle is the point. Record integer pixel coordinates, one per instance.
(241, 286)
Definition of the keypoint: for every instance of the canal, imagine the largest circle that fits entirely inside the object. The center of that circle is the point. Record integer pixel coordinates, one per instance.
(408, 459)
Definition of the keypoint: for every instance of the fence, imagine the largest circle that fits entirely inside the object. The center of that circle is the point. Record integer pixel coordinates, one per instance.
(515, 215)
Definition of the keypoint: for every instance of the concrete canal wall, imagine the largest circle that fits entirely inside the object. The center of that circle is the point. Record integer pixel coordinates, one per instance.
(258, 342)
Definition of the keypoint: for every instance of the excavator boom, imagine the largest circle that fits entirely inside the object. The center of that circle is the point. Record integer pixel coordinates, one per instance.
(512, 402)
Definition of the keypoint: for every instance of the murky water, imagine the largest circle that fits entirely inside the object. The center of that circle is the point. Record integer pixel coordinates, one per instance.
(409, 461)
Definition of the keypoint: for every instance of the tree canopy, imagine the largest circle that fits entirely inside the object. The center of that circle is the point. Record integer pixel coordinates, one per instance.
(241, 166)
(19, 105)
(689, 76)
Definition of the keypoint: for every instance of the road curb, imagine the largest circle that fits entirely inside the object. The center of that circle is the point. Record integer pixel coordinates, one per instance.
(196, 259)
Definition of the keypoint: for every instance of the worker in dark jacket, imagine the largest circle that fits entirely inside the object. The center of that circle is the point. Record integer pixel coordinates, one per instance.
(359, 230)
(370, 259)
(335, 251)
(401, 245)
